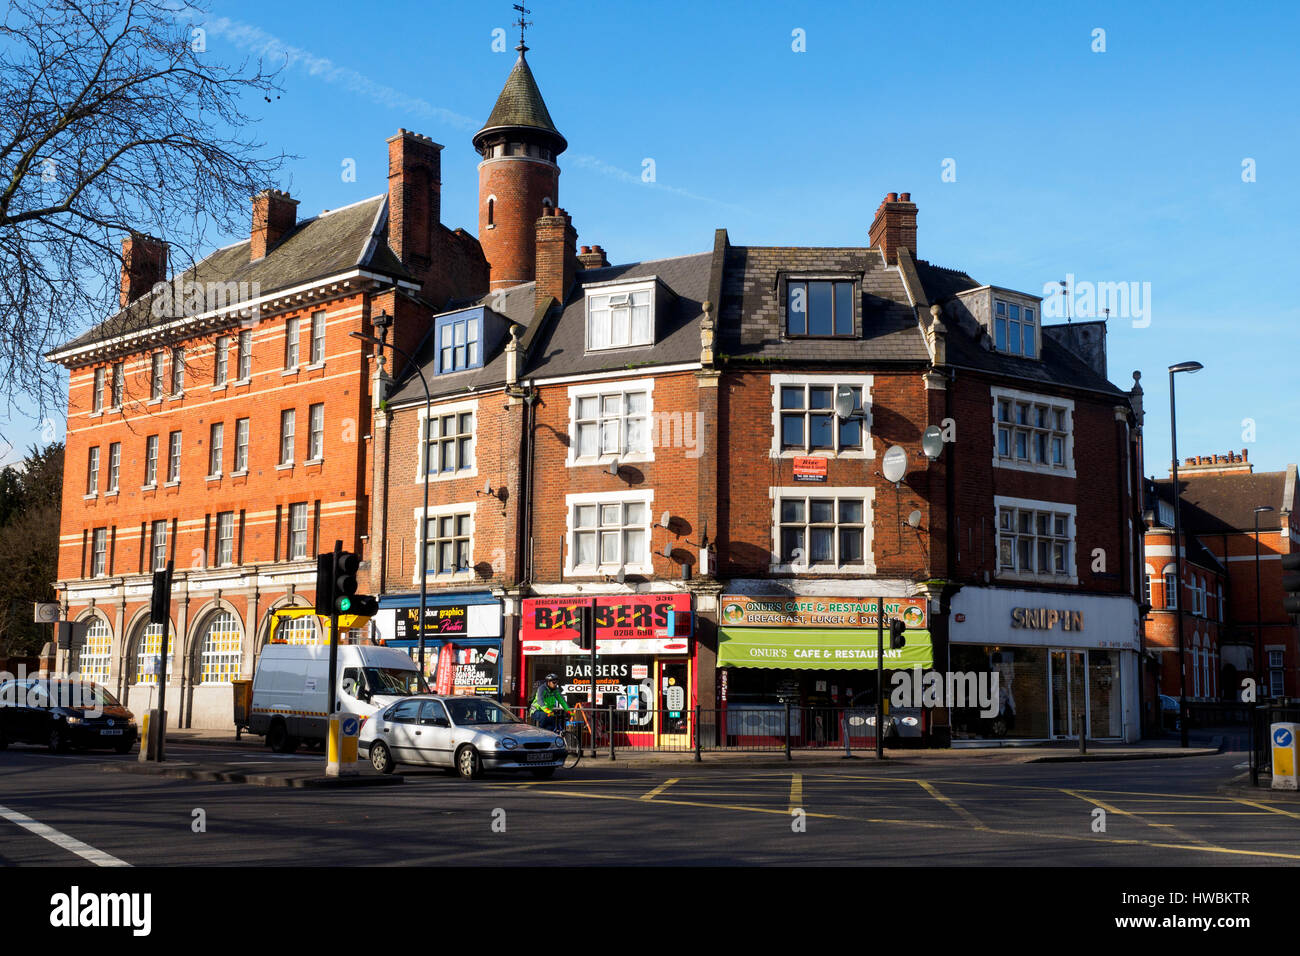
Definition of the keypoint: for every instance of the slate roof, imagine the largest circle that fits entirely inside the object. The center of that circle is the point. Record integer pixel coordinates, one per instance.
(1219, 504)
(521, 105)
(333, 242)
(1055, 365)
(751, 312)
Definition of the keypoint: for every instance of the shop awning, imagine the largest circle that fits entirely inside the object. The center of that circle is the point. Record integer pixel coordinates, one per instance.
(810, 648)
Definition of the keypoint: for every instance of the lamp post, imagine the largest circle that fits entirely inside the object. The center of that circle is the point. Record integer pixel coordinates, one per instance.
(1178, 550)
(382, 322)
(1259, 671)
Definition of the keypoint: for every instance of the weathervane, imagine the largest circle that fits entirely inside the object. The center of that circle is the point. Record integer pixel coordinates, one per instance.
(522, 24)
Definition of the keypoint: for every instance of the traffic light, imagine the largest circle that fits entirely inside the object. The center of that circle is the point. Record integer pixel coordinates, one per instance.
(586, 628)
(896, 638)
(160, 601)
(325, 584)
(1291, 582)
(364, 605)
(345, 580)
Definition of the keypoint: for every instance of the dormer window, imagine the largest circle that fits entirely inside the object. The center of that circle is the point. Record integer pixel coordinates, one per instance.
(620, 319)
(459, 343)
(819, 307)
(1015, 328)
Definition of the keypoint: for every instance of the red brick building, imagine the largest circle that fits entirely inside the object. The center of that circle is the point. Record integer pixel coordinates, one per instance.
(220, 422)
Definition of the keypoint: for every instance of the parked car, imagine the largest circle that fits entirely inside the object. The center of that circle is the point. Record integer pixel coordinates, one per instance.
(62, 714)
(290, 704)
(465, 734)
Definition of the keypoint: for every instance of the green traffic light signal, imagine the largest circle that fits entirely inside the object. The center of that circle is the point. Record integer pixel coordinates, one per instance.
(345, 603)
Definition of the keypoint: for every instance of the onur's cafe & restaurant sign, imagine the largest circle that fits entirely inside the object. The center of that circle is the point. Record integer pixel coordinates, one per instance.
(740, 610)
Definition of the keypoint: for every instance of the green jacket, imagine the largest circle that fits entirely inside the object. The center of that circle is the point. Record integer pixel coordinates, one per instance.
(547, 700)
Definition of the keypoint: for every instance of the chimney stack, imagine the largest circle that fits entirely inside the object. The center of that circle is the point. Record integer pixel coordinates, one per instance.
(557, 256)
(592, 257)
(144, 263)
(894, 227)
(414, 199)
(274, 215)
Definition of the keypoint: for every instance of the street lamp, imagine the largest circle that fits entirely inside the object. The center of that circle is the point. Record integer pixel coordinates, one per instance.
(1259, 671)
(1178, 550)
(382, 322)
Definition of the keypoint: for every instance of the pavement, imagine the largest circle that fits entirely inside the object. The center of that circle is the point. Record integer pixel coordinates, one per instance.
(218, 756)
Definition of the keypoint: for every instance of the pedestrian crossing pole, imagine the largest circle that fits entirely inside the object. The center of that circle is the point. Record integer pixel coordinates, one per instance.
(880, 678)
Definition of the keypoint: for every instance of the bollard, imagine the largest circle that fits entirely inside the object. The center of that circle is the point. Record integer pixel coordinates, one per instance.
(697, 733)
(844, 732)
(1083, 733)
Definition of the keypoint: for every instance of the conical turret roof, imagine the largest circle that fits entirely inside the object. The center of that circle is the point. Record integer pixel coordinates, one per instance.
(520, 106)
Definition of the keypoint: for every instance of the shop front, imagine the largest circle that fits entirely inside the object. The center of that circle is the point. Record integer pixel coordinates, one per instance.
(462, 639)
(1062, 661)
(645, 666)
(817, 655)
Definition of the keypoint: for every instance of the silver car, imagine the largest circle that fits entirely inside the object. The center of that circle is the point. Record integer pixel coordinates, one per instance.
(467, 734)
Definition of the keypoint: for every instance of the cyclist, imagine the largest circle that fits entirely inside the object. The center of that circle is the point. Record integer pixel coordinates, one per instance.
(550, 710)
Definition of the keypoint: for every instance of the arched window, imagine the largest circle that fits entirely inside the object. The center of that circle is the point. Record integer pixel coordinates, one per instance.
(222, 650)
(146, 655)
(97, 652)
(298, 630)
(492, 206)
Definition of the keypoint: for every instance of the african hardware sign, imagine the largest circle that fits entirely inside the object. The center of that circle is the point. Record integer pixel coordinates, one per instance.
(740, 610)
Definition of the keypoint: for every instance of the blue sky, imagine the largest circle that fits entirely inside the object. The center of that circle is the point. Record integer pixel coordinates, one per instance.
(1116, 166)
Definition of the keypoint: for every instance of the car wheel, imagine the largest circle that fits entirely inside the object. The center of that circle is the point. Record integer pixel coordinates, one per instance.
(280, 740)
(380, 758)
(123, 746)
(544, 773)
(467, 763)
(58, 741)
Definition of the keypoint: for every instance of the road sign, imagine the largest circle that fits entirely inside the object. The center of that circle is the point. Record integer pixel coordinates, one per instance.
(1283, 738)
(46, 613)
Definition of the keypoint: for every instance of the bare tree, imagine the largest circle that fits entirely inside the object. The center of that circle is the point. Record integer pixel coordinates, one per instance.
(114, 118)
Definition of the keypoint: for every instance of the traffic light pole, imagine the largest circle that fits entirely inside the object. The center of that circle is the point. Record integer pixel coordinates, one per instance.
(160, 733)
(334, 636)
(880, 678)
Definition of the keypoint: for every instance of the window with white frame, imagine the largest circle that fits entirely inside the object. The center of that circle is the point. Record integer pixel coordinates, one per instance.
(114, 465)
(458, 345)
(827, 530)
(1171, 587)
(92, 471)
(151, 461)
(1035, 539)
(620, 318)
(805, 421)
(97, 652)
(318, 338)
(216, 447)
(298, 630)
(819, 307)
(118, 385)
(288, 422)
(156, 375)
(146, 654)
(448, 542)
(241, 445)
(97, 400)
(1015, 328)
(609, 421)
(1146, 589)
(244, 370)
(174, 456)
(298, 531)
(221, 361)
(1276, 675)
(98, 552)
(316, 432)
(291, 344)
(450, 449)
(1033, 432)
(225, 538)
(222, 650)
(609, 533)
(158, 544)
(178, 370)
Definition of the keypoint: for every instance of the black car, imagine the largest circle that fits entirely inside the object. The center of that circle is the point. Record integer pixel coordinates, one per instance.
(62, 714)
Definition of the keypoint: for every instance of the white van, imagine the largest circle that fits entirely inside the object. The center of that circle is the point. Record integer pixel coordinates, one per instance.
(290, 705)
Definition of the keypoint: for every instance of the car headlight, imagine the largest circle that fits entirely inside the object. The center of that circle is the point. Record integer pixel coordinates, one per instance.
(73, 719)
(509, 743)
(559, 742)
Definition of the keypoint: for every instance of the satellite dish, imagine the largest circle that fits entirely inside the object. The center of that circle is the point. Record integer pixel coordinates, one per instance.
(665, 519)
(668, 550)
(932, 442)
(621, 576)
(895, 463)
(914, 519)
(844, 401)
(613, 468)
(487, 487)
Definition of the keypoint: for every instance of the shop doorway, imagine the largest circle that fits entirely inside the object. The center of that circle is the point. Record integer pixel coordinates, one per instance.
(1069, 691)
(673, 724)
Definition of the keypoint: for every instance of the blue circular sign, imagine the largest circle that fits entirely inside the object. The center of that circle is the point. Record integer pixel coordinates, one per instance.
(1282, 737)
(351, 726)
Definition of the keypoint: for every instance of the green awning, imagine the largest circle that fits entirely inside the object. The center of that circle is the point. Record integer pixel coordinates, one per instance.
(812, 648)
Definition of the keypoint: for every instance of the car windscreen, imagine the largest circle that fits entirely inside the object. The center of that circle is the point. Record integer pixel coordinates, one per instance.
(383, 680)
(72, 694)
(472, 710)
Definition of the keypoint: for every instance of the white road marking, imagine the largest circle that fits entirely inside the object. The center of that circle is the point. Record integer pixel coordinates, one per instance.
(72, 844)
